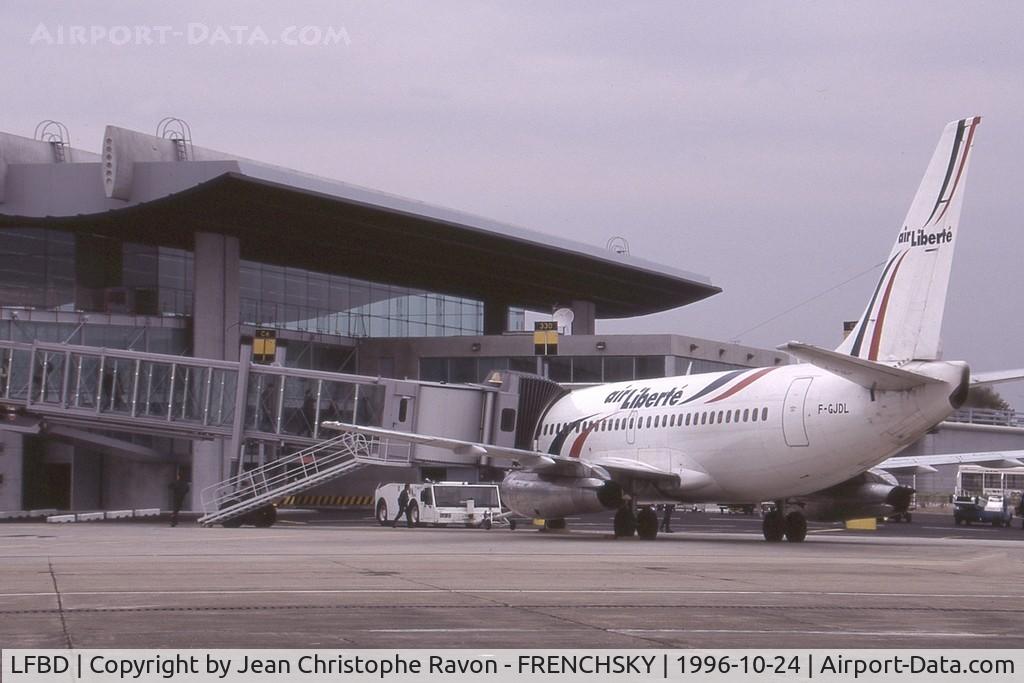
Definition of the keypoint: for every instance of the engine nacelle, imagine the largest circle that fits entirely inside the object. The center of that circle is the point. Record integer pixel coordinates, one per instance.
(874, 493)
(532, 494)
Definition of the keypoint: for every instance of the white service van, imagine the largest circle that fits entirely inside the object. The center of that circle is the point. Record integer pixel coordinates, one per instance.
(441, 503)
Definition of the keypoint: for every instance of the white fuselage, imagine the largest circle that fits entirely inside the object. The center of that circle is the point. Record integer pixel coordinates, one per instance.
(748, 435)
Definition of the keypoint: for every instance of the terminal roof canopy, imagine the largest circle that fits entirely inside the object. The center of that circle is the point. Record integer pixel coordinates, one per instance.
(294, 219)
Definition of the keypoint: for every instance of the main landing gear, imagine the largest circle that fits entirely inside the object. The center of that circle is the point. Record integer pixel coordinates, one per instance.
(792, 526)
(625, 522)
(643, 522)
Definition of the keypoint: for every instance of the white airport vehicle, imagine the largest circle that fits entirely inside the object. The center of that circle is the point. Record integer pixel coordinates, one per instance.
(442, 503)
(787, 433)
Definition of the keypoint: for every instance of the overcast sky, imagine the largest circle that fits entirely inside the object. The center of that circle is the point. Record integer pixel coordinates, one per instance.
(773, 147)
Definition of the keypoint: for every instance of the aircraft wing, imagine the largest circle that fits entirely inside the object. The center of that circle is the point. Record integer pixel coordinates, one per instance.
(996, 376)
(920, 464)
(607, 468)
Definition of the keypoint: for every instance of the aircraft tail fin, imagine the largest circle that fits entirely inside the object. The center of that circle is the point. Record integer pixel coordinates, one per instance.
(903, 319)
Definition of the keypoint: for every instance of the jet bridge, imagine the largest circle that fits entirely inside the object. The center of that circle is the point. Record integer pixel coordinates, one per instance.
(62, 388)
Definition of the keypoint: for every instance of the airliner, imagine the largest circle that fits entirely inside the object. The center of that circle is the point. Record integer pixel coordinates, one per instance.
(793, 434)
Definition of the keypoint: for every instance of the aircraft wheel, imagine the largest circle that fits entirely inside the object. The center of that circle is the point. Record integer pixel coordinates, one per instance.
(382, 513)
(796, 527)
(907, 518)
(265, 517)
(647, 524)
(773, 527)
(511, 525)
(625, 522)
(486, 524)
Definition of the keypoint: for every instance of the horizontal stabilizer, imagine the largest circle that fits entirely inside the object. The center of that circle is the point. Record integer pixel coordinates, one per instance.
(866, 373)
(996, 376)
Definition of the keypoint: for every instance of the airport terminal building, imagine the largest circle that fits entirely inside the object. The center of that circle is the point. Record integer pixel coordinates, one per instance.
(112, 262)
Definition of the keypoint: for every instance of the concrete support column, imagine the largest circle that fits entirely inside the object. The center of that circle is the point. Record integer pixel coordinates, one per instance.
(215, 330)
(11, 467)
(495, 316)
(216, 304)
(584, 317)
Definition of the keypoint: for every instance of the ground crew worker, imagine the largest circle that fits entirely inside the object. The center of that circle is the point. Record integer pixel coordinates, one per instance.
(179, 489)
(405, 507)
(666, 520)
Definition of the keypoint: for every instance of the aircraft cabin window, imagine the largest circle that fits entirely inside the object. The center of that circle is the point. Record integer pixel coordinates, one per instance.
(753, 415)
(764, 414)
(746, 414)
(672, 421)
(703, 418)
(687, 419)
(728, 416)
(630, 423)
(648, 421)
(736, 416)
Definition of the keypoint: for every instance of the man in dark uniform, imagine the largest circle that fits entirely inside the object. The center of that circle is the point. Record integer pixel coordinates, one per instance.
(405, 507)
(179, 489)
(666, 520)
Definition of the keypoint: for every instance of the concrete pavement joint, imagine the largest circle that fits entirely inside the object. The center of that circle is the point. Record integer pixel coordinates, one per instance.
(60, 605)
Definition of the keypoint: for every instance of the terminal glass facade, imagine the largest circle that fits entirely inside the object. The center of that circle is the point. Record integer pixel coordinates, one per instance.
(56, 270)
(298, 299)
(565, 369)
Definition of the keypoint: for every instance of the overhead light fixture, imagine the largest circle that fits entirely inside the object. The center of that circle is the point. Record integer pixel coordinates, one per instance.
(601, 346)
(693, 347)
(475, 346)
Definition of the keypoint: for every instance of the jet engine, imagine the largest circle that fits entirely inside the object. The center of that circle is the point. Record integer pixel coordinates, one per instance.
(874, 493)
(533, 494)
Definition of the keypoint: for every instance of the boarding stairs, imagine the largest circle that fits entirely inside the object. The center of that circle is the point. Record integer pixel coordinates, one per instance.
(233, 500)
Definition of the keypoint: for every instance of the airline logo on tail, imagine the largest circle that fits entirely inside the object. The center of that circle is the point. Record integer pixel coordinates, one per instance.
(904, 317)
